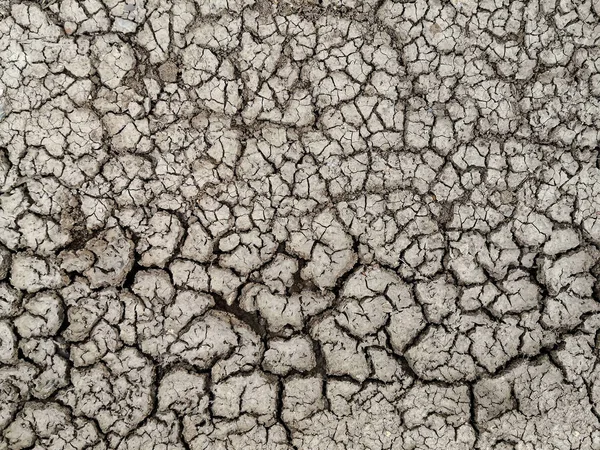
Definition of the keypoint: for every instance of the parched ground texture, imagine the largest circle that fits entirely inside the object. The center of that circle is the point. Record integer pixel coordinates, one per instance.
(344, 225)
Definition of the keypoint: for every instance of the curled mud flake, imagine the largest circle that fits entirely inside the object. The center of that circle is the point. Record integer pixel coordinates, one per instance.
(32, 274)
(113, 253)
(43, 316)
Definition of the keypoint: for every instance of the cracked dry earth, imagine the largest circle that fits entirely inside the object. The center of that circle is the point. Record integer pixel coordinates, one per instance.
(345, 225)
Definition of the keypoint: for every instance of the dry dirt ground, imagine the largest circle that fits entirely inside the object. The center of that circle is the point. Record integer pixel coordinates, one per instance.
(332, 225)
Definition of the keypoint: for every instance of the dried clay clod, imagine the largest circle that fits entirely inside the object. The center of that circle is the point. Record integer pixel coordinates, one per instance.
(299, 225)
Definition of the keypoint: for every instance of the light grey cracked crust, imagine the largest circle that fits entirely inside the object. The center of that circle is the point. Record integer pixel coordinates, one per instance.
(289, 224)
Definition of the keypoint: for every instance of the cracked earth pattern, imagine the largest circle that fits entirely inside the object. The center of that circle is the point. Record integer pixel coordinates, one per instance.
(262, 224)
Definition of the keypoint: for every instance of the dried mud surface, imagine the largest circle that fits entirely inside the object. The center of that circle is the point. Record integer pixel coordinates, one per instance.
(333, 225)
